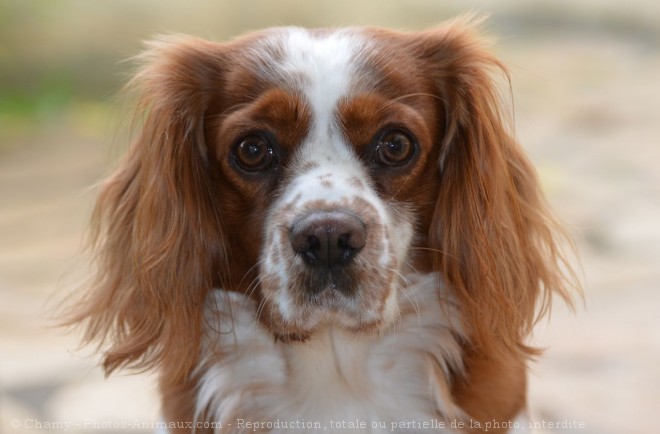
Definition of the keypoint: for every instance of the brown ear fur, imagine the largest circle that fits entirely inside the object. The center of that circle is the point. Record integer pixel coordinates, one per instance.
(156, 233)
(499, 247)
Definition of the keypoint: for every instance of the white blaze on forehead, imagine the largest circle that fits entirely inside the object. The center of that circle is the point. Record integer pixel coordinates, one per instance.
(321, 67)
(324, 63)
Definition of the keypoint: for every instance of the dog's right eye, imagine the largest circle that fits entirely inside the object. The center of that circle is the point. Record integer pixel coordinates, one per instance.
(254, 153)
(394, 148)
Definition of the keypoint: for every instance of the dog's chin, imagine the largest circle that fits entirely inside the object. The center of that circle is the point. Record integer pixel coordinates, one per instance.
(331, 308)
(303, 335)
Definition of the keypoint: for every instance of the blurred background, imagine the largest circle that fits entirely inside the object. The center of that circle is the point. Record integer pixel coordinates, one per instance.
(586, 80)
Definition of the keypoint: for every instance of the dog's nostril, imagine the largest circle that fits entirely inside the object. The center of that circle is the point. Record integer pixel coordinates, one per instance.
(328, 239)
(312, 250)
(313, 241)
(343, 240)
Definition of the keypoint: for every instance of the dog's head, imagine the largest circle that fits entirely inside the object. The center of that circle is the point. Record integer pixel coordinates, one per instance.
(317, 171)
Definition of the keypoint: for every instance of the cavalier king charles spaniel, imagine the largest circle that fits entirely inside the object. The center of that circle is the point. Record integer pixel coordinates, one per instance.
(320, 230)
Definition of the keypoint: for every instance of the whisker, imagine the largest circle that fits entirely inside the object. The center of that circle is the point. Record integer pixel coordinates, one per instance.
(411, 296)
(430, 249)
(412, 267)
(262, 305)
(393, 101)
(254, 285)
(410, 95)
(403, 184)
(247, 273)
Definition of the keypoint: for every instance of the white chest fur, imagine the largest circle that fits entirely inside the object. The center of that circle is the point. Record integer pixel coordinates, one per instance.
(336, 381)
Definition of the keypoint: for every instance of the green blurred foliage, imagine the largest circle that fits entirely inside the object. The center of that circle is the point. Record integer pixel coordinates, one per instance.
(56, 56)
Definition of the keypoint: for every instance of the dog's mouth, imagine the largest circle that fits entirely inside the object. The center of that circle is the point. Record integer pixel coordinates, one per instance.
(336, 298)
(337, 281)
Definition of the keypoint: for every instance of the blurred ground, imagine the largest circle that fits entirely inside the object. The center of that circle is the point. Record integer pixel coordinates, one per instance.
(585, 78)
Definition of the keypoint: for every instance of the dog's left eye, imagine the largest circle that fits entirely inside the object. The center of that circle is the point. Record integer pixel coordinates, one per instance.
(394, 148)
(254, 153)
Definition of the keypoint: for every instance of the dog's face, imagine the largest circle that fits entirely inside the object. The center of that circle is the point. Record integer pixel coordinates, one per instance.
(318, 172)
(328, 158)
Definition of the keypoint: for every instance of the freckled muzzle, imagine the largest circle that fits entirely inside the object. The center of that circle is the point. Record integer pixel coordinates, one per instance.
(328, 258)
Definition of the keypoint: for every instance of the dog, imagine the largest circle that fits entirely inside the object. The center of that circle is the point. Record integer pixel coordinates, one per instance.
(323, 230)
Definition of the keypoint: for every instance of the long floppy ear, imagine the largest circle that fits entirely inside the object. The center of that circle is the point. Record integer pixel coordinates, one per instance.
(499, 247)
(155, 232)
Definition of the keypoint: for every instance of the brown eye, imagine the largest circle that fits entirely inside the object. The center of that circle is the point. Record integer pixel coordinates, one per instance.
(394, 148)
(254, 153)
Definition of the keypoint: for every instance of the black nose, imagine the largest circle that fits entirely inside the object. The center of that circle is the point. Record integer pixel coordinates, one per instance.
(328, 239)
